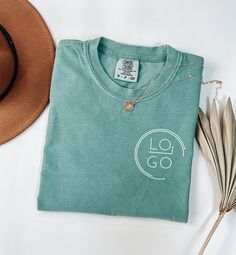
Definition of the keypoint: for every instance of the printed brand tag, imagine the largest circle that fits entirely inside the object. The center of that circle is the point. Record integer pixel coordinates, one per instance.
(127, 70)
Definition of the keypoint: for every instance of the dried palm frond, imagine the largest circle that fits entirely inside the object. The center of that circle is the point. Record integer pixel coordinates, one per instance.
(216, 137)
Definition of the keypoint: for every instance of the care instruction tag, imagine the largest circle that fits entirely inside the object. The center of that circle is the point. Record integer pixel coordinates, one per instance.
(127, 70)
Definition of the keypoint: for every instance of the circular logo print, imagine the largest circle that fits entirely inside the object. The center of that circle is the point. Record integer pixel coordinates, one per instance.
(156, 152)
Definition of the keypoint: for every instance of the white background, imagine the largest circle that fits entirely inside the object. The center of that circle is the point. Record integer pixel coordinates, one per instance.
(202, 27)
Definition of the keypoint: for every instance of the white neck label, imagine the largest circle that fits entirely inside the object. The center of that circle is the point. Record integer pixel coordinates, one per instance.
(127, 70)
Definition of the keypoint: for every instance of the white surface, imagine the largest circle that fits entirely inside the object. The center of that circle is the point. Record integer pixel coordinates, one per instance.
(202, 27)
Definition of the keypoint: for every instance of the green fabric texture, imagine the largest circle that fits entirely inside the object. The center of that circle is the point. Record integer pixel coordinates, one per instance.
(98, 157)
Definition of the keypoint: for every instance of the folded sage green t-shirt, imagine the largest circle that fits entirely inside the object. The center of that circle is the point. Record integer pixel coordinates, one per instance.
(103, 157)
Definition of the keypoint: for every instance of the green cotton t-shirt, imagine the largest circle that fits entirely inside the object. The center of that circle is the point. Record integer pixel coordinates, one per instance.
(100, 158)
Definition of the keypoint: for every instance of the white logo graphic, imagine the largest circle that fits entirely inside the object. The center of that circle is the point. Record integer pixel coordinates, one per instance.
(154, 152)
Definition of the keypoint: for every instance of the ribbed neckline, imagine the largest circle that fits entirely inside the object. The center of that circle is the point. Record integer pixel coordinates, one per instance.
(172, 58)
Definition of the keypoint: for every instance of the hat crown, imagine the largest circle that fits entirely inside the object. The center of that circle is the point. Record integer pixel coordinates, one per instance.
(6, 63)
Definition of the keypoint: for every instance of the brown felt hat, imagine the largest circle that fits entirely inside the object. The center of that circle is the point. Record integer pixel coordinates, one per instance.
(27, 53)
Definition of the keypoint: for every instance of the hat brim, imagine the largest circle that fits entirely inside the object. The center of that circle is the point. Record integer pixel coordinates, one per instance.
(36, 51)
